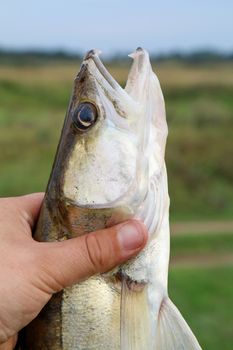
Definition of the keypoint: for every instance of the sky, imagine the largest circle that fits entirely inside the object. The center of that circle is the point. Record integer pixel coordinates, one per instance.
(117, 26)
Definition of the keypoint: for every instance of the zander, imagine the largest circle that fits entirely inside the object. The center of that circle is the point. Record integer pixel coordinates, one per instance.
(110, 167)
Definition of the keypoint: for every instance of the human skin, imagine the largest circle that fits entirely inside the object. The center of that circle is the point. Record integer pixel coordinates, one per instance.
(31, 272)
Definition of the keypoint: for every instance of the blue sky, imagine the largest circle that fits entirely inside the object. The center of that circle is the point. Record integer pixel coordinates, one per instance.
(117, 26)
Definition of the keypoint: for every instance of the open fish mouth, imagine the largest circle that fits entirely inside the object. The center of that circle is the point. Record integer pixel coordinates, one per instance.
(140, 66)
(128, 102)
(94, 55)
(140, 102)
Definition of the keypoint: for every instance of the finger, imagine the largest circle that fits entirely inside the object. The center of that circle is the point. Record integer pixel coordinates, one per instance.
(29, 206)
(22, 211)
(78, 258)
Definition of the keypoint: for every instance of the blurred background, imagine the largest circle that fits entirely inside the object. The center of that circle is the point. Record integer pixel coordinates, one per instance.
(191, 48)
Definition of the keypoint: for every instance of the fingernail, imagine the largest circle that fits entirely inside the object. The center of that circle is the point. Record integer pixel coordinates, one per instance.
(131, 235)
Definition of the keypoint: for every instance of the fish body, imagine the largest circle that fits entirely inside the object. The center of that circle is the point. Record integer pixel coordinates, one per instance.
(110, 167)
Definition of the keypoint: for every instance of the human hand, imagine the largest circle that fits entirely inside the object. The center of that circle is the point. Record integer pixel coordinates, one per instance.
(31, 272)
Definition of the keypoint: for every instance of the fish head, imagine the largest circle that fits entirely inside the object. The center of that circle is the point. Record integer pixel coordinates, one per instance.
(105, 153)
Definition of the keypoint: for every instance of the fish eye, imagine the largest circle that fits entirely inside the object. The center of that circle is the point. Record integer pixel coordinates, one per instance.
(85, 116)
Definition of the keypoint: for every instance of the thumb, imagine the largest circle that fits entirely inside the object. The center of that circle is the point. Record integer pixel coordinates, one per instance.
(73, 260)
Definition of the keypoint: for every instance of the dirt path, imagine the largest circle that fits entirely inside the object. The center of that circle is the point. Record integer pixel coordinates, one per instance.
(199, 260)
(207, 260)
(210, 227)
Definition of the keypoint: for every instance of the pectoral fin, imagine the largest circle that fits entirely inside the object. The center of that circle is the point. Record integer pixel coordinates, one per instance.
(173, 333)
(135, 318)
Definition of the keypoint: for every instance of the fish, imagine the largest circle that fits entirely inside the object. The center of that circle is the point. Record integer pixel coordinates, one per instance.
(110, 167)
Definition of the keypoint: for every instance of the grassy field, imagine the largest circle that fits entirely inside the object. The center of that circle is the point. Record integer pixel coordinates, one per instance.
(204, 297)
(203, 292)
(33, 101)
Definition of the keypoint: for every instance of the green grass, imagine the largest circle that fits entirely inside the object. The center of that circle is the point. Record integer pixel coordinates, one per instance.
(204, 297)
(204, 294)
(199, 150)
(187, 244)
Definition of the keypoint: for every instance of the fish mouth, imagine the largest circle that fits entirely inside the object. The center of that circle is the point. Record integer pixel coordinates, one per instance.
(128, 101)
(109, 90)
(138, 71)
(94, 55)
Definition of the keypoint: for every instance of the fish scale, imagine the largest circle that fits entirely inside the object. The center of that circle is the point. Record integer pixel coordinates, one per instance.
(95, 323)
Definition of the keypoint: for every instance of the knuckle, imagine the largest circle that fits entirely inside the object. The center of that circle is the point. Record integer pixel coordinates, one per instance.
(95, 253)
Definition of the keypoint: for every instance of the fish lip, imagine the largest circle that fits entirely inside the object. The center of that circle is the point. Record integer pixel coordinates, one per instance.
(138, 75)
(122, 102)
(139, 50)
(94, 55)
(140, 61)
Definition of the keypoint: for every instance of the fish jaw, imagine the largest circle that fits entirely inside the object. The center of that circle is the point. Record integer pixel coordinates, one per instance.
(123, 105)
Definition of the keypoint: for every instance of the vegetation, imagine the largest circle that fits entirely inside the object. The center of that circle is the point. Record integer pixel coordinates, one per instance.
(187, 245)
(200, 285)
(32, 57)
(204, 294)
(204, 297)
